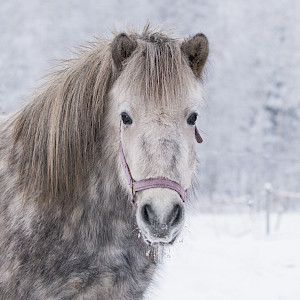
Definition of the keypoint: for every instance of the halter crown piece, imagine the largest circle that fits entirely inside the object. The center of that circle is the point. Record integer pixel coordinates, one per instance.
(149, 183)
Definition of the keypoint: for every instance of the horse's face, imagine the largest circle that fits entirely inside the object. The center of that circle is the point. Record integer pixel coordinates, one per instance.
(158, 140)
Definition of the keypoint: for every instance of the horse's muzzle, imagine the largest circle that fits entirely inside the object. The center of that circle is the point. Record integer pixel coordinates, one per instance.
(160, 227)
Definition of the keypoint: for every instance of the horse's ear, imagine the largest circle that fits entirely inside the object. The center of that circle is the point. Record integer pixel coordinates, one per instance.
(122, 47)
(196, 50)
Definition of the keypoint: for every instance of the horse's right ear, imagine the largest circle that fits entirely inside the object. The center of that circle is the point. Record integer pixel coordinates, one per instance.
(196, 51)
(122, 47)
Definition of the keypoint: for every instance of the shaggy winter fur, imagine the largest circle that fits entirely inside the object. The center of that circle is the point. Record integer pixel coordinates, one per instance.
(67, 228)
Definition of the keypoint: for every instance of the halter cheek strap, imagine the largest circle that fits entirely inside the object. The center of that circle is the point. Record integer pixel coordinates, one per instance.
(149, 183)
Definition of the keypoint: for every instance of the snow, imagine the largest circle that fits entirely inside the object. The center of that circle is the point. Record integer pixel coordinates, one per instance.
(229, 257)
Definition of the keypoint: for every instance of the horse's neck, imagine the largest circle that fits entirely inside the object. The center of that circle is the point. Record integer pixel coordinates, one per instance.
(105, 204)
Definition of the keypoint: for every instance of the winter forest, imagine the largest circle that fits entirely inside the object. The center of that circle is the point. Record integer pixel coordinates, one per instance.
(250, 123)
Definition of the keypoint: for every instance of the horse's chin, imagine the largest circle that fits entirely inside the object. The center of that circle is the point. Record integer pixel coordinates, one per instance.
(159, 242)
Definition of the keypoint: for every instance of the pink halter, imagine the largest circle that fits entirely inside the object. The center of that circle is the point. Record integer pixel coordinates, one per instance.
(149, 183)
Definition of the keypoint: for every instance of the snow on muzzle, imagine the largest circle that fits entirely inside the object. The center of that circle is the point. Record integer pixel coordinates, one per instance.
(160, 215)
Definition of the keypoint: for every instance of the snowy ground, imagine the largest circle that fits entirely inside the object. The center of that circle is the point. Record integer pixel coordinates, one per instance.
(228, 257)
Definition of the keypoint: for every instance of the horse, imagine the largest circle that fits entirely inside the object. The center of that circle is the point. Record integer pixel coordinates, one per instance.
(96, 166)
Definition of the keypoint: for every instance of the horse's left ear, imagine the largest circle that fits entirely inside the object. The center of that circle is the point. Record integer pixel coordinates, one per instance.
(196, 50)
(122, 47)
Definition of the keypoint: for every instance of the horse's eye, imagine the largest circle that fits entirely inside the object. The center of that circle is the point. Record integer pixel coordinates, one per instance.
(191, 120)
(126, 119)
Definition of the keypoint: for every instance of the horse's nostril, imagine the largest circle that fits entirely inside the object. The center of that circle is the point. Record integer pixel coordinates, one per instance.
(147, 213)
(161, 221)
(175, 215)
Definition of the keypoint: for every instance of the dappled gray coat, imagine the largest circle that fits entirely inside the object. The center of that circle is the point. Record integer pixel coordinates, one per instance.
(67, 227)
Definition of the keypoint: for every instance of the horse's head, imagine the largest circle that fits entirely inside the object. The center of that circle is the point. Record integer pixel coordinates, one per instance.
(156, 99)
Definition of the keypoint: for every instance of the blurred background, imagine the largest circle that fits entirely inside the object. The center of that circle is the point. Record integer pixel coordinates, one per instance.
(243, 238)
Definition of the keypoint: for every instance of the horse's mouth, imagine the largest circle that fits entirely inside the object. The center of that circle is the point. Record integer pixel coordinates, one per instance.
(159, 243)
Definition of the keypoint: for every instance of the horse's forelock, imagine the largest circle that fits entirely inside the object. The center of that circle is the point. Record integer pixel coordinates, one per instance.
(158, 71)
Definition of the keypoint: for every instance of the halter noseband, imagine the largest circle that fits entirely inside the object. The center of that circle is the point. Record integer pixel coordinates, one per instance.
(149, 183)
